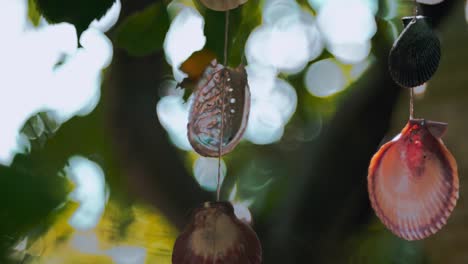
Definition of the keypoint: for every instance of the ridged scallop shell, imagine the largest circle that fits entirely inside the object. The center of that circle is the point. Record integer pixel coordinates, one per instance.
(215, 235)
(415, 55)
(223, 5)
(413, 181)
(208, 111)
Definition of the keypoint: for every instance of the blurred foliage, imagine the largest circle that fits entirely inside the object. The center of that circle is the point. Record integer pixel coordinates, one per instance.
(28, 195)
(79, 13)
(33, 14)
(33, 190)
(378, 245)
(143, 33)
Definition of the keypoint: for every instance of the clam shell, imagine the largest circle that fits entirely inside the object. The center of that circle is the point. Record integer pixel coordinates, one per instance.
(222, 5)
(209, 112)
(413, 181)
(415, 55)
(215, 235)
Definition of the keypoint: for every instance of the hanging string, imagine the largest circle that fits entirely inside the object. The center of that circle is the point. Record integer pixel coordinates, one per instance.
(415, 9)
(411, 110)
(226, 35)
(224, 87)
(411, 103)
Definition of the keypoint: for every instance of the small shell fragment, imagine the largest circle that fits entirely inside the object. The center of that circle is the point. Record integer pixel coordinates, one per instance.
(413, 181)
(221, 99)
(415, 55)
(223, 5)
(430, 2)
(215, 235)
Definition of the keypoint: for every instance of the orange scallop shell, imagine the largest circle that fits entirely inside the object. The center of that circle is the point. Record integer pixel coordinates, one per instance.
(413, 181)
(216, 236)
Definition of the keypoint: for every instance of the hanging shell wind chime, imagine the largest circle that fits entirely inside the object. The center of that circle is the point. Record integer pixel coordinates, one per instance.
(217, 121)
(221, 107)
(413, 180)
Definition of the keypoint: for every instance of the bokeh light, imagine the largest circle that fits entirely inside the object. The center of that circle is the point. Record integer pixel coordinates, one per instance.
(325, 78)
(273, 102)
(173, 115)
(205, 171)
(48, 56)
(127, 255)
(187, 25)
(466, 11)
(89, 192)
(241, 207)
(285, 41)
(347, 27)
(420, 90)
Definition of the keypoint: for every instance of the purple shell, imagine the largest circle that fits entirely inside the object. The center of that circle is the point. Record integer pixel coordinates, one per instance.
(209, 112)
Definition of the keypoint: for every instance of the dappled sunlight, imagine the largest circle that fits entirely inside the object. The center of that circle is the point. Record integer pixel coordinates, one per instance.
(89, 192)
(241, 207)
(106, 22)
(273, 103)
(347, 27)
(44, 70)
(325, 78)
(124, 235)
(287, 40)
(205, 171)
(187, 25)
(173, 114)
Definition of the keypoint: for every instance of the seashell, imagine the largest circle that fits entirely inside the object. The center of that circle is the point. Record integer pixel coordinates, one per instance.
(415, 55)
(221, 98)
(222, 5)
(430, 2)
(215, 235)
(413, 181)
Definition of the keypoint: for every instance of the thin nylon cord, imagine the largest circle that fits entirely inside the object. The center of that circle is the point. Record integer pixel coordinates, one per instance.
(225, 84)
(411, 103)
(411, 111)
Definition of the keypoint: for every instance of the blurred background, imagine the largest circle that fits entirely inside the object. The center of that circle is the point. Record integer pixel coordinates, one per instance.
(96, 167)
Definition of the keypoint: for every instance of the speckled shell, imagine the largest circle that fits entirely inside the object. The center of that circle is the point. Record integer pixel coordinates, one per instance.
(223, 5)
(415, 55)
(205, 118)
(413, 181)
(215, 235)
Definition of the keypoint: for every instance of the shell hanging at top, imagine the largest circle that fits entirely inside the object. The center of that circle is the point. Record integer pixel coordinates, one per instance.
(430, 2)
(223, 5)
(221, 99)
(215, 235)
(415, 55)
(413, 181)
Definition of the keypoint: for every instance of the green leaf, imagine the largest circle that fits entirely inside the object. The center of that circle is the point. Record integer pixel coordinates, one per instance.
(77, 12)
(143, 33)
(27, 196)
(33, 14)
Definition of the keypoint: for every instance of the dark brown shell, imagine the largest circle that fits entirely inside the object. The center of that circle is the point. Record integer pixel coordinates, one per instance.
(415, 55)
(206, 118)
(413, 181)
(222, 5)
(215, 235)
